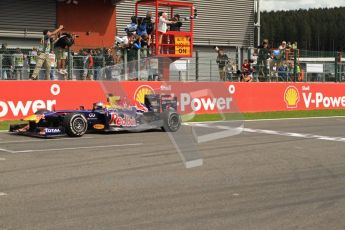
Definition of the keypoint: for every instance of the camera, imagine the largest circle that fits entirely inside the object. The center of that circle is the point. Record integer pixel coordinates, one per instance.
(192, 17)
(66, 40)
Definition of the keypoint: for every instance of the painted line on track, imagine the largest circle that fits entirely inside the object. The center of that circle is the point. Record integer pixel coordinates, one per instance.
(2, 159)
(295, 118)
(258, 120)
(72, 148)
(273, 132)
(44, 140)
(3, 194)
(6, 151)
(298, 135)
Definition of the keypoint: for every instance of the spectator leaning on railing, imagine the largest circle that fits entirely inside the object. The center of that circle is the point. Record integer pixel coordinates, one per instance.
(283, 71)
(149, 22)
(52, 58)
(133, 26)
(222, 61)
(142, 29)
(282, 49)
(43, 57)
(88, 65)
(132, 57)
(282, 63)
(99, 64)
(263, 55)
(137, 39)
(18, 64)
(109, 62)
(7, 66)
(78, 64)
(246, 70)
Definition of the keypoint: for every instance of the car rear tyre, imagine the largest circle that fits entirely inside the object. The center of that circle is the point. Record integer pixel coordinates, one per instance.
(172, 122)
(75, 125)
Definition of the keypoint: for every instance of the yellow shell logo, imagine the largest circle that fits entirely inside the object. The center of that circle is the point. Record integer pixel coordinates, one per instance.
(291, 97)
(140, 93)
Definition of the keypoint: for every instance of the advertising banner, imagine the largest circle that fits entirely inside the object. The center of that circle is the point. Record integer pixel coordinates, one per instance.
(21, 98)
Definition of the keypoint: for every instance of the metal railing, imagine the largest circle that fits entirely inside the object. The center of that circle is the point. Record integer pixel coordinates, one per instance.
(140, 65)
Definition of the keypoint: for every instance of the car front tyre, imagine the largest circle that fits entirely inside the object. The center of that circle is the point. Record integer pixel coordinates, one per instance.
(75, 125)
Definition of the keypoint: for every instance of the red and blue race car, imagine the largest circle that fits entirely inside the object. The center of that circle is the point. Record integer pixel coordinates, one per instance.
(158, 111)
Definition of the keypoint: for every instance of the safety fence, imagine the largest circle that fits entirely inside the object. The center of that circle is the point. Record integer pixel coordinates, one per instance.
(305, 66)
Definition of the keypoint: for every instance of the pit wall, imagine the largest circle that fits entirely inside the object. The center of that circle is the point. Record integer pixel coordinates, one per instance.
(21, 98)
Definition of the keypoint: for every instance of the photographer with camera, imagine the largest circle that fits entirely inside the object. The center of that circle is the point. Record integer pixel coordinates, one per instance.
(195, 16)
(43, 57)
(61, 56)
(174, 27)
(61, 45)
(178, 23)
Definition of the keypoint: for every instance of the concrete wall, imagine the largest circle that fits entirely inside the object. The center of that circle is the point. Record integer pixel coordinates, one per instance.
(93, 20)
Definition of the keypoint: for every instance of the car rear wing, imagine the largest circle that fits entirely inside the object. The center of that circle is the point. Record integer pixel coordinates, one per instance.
(160, 103)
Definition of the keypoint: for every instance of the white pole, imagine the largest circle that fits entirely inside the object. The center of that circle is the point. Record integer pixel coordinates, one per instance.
(258, 22)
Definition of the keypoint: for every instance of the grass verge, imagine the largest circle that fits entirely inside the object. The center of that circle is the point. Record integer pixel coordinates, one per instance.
(4, 125)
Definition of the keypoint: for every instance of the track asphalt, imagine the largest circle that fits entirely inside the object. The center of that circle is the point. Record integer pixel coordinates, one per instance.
(284, 174)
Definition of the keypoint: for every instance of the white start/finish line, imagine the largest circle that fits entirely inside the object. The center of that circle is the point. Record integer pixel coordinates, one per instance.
(299, 135)
(272, 132)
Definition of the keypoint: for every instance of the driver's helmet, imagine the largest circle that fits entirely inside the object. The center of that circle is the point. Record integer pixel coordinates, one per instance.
(98, 105)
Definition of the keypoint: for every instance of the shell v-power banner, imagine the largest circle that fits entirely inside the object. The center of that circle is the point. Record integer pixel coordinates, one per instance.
(21, 98)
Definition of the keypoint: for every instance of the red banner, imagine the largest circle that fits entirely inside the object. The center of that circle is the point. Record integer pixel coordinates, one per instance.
(21, 98)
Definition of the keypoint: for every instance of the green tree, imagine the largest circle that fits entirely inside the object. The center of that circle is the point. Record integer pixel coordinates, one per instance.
(313, 29)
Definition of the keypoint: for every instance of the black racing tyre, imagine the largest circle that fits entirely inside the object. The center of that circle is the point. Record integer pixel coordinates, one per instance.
(75, 125)
(171, 122)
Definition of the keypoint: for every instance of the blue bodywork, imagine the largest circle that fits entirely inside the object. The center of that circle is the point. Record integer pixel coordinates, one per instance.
(133, 118)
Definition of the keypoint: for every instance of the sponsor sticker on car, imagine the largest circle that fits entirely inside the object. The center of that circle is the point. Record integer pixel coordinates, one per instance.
(122, 121)
(98, 126)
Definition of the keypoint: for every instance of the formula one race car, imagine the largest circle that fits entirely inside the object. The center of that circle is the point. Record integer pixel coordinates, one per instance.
(159, 111)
